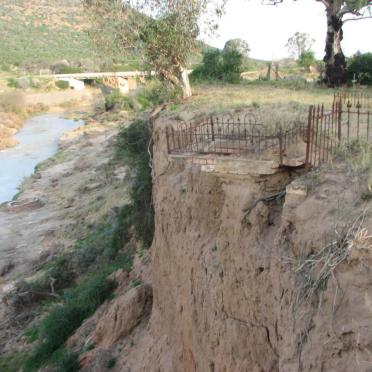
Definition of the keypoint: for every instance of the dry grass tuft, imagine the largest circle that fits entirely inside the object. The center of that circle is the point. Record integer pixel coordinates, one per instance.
(314, 271)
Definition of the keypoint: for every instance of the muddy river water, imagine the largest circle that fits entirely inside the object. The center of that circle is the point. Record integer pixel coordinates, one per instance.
(38, 140)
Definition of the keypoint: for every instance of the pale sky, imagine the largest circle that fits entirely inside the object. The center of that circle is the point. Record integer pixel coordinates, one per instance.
(267, 28)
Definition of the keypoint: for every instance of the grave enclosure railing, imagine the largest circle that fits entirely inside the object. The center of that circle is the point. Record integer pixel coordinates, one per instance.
(228, 134)
(349, 119)
(240, 134)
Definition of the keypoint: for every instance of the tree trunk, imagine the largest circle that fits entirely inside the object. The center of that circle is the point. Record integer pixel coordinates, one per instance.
(181, 81)
(185, 83)
(335, 73)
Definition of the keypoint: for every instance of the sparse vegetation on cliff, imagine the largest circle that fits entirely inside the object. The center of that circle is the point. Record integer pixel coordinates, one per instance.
(135, 144)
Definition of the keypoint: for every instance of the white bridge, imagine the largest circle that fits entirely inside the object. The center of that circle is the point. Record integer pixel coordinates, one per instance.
(124, 81)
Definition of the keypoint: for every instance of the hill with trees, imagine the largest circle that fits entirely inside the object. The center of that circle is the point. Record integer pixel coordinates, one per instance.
(42, 31)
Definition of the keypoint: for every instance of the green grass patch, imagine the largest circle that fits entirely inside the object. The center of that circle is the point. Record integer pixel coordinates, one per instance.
(62, 84)
(65, 361)
(78, 303)
(12, 362)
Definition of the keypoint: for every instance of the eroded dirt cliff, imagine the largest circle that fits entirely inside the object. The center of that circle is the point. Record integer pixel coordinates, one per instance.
(245, 283)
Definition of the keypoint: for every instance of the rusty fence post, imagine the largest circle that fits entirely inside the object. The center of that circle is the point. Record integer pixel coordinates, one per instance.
(280, 138)
(167, 136)
(212, 128)
(309, 121)
(339, 122)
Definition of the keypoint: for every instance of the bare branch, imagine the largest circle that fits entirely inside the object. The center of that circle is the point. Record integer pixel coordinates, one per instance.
(356, 19)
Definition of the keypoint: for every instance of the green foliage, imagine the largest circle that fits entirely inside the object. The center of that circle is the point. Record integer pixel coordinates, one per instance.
(306, 59)
(78, 303)
(12, 82)
(62, 84)
(104, 244)
(70, 70)
(232, 66)
(12, 362)
(118, 102)
(361, 66)
(166, 40)
(155, 93)
(32, 334)
(65, 361)
(220, 65)
(133, 145)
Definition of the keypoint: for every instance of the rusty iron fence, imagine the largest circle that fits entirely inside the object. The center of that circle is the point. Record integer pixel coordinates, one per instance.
(228, 134)
(354, 99)
(323, 134)
(326, 130)
(239, 133)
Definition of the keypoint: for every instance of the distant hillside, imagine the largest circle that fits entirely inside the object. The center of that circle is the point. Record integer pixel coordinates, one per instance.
(42, 30)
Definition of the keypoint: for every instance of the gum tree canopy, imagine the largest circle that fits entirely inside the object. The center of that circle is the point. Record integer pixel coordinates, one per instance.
(162, 32)
(338, 12)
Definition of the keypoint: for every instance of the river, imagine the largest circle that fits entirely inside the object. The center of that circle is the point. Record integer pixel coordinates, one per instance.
(38, 140)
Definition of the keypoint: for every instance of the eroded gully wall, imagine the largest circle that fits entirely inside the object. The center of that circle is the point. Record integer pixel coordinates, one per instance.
(223, 293)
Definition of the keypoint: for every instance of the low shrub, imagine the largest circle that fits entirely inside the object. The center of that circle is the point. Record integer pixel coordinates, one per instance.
(65, 361)
(78, 304)
(118, 102)
(225, 65)
(62, 84)
(156, 93)
(12, 83)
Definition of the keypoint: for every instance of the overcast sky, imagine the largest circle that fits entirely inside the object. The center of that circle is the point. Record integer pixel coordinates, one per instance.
(267, 28)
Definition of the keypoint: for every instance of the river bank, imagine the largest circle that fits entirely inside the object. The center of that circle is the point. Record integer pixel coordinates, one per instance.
(37, 141)
(70, 184)
(17, 106)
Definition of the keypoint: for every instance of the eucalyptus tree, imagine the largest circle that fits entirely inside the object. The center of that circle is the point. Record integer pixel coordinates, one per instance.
(299, 43)
(338, 12)
(162, 32)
